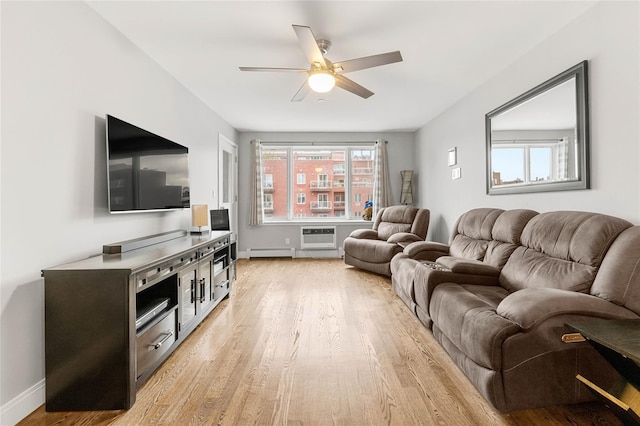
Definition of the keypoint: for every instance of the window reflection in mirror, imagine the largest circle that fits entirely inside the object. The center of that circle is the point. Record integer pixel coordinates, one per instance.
(538, 141)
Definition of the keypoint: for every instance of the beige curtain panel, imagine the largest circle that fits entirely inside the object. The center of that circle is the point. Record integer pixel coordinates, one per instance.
(255, 207)
(381, 191)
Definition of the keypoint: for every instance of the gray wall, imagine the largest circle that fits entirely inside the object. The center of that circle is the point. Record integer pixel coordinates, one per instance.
(400, 150)
(608, 37)
(63, 69)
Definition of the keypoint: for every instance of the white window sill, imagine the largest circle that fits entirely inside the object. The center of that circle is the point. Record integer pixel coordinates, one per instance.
(318, 222)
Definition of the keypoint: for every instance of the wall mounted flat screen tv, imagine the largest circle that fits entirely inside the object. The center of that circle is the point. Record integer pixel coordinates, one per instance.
(146, 172)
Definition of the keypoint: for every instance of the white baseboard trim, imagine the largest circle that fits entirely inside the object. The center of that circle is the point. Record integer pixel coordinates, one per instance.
(22, 405)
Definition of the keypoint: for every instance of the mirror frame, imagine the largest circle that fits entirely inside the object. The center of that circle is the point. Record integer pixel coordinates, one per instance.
(578, 71)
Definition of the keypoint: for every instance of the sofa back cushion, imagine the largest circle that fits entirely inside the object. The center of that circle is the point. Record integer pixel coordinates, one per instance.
(618, 279)
(394, 219)
(472, 233)
(562, 250)
(506, 234)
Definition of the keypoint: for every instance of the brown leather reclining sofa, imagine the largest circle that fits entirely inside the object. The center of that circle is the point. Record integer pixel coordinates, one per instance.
(498, 296)
(393, 228)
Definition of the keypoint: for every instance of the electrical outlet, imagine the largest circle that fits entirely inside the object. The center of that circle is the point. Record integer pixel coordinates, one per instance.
(456, 173)
(287, 241)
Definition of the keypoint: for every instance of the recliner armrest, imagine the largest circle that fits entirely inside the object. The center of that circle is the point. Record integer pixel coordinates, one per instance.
(404, 237)
(426, 250)
(468, 266)
(530, 306)
(364, 234)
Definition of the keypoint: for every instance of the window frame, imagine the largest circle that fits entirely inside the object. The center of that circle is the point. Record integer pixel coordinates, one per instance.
(525, 148)
(346, 215)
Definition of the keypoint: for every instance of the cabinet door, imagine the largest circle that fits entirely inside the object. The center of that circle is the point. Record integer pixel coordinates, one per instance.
(205, 293)
(188, 288)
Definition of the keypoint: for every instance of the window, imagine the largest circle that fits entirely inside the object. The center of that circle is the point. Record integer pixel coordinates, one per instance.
(267, 181)
(323, 203)
(274, 174)
(531, 162)
(336, 174)
(267, 202)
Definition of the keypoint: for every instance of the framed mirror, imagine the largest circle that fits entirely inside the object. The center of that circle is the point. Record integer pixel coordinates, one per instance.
(539, 141)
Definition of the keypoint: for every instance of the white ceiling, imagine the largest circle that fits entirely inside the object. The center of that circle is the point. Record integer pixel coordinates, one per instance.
(449, 49)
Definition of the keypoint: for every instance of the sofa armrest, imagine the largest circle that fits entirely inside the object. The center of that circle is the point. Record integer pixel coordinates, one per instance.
(403, 237)
(468, 266)
(364, 234)
(531, 306)
(426, 250)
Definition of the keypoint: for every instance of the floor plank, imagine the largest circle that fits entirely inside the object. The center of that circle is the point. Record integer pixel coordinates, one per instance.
(313, 342)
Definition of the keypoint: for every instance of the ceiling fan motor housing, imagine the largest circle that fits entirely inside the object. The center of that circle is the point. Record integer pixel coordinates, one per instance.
(324, 45)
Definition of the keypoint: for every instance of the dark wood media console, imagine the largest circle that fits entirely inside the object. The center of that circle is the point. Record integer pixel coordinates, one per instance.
(112, 319)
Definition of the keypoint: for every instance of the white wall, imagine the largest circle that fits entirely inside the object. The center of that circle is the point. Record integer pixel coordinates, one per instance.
(63, 69)
(608, 37)
(400, 150)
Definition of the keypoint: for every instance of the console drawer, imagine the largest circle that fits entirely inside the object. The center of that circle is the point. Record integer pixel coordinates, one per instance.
(155, 342)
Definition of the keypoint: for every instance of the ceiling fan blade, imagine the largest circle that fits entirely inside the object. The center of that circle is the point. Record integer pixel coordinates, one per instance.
(301, 93)
(272, 69)
(367, 62)
(309, 45)
(351, 86)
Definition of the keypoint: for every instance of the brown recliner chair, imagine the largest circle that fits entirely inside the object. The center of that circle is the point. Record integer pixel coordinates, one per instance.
(393, 228)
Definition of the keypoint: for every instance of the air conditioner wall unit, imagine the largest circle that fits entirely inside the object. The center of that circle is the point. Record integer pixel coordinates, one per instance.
(318, 237)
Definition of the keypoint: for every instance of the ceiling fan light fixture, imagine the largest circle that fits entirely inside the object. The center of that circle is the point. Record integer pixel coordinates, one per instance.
(321, 81)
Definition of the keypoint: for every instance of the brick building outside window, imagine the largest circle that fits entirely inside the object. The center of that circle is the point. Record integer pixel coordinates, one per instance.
(301, 182)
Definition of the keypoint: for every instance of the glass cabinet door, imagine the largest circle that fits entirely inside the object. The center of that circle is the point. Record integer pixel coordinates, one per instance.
(188, 289)
(205, 293)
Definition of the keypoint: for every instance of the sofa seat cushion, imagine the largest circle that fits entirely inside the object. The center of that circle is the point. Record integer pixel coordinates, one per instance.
(532, 306)
(466, 314)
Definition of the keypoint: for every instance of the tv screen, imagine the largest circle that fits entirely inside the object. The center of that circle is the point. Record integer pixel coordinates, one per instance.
(145, 171)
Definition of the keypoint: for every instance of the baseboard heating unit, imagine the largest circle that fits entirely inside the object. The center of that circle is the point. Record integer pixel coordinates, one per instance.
(317, 237)
(271, 252)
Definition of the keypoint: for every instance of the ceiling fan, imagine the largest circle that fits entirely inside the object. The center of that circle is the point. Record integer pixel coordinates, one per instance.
(323, 74)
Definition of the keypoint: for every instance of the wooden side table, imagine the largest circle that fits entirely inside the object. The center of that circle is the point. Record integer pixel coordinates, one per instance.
(618, 341)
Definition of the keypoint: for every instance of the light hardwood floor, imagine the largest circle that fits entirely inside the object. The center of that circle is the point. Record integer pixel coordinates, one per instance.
(313, 342)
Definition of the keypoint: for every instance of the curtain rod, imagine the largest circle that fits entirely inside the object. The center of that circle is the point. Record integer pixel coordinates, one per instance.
(529, 140)
(307, 143)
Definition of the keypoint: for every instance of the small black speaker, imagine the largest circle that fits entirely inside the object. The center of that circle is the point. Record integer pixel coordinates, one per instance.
(219, 220)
